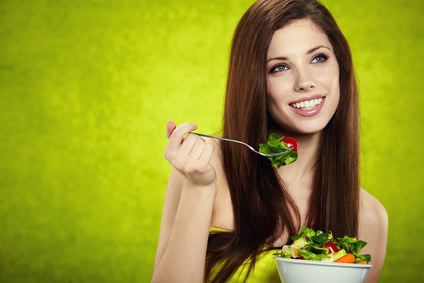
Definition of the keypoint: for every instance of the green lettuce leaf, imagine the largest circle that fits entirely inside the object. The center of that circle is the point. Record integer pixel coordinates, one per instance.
(309, 255)
(275, 145)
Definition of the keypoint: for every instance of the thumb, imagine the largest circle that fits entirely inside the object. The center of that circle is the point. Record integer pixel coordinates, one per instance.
(170, 127)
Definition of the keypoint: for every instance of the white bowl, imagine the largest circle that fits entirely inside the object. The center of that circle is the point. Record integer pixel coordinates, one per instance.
(308, 271)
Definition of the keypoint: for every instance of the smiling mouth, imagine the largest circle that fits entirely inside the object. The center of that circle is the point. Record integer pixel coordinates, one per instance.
(307, 104)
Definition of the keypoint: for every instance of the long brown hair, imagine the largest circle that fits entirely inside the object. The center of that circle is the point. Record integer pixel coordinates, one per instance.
(260, 201)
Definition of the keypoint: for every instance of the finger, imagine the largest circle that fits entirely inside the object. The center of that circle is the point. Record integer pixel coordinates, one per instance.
(180, 132)
(182, 156)
(206, 155)
(187, 146)
(170, 127)
(177, 136)
(197, 149)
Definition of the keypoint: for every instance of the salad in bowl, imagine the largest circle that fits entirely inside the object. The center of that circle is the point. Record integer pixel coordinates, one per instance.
(315, 256)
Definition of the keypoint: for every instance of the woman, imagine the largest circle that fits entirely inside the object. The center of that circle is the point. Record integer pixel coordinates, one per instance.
(225, 207)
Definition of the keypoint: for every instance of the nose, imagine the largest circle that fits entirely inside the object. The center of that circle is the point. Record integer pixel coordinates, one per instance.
(303, 81)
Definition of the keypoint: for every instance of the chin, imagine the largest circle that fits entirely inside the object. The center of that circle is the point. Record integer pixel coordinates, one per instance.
(303, 128)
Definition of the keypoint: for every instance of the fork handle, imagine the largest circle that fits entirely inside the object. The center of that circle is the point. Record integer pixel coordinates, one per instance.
(230, 140)
(248, 145)
(218, 138)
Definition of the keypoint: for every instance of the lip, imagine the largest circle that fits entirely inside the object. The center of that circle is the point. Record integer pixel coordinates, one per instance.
(316, 96)
(311, 112)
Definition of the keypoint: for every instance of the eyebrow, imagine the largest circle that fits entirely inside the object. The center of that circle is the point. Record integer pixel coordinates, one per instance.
(307, 53)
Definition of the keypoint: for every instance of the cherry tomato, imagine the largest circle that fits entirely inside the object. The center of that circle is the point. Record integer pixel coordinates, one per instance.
(291, 142)
(332, 248)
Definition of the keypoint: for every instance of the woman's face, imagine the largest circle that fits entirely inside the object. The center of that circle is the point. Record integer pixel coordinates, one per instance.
(302, 78)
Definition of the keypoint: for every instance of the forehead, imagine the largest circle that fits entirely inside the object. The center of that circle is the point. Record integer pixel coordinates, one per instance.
(297, 37)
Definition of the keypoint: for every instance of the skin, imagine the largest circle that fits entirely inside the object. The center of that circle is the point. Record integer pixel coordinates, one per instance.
(197, 196)
(299, 69)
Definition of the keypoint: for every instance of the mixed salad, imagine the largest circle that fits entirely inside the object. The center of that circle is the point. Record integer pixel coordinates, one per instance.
(279, 144)
(320, 246)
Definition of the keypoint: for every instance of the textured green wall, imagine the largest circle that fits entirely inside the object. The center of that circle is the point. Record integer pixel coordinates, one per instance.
(86, 88)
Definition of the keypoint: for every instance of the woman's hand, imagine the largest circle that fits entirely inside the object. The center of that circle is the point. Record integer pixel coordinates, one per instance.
(189, 155)
(188, 207)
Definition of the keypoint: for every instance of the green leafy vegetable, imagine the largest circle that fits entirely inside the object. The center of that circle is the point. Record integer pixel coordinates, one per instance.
(276, 144)
(354, 246)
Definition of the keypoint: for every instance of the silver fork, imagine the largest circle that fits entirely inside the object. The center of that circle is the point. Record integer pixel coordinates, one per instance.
(250, 147)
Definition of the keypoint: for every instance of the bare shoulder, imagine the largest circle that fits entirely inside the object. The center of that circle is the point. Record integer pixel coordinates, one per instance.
(372, 211)
(373, 229)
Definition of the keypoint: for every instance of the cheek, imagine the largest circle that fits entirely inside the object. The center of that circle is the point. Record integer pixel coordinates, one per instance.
(269, 89)
(335, 90)
(272, 100)
(276, 90)
(331, 82)
(336, 79)
(272, 105)
(271, 96)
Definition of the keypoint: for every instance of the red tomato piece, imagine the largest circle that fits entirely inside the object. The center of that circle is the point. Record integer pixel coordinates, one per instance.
(291, 143)
(332, 248)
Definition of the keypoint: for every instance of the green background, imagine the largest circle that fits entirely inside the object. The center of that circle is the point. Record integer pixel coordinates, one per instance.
(86, 89)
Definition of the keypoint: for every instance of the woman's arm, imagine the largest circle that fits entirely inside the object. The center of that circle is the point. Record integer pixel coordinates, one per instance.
(187, 211)
(373, 227)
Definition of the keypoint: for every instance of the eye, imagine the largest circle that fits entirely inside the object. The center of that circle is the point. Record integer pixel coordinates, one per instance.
(278, 68)
(319, 58)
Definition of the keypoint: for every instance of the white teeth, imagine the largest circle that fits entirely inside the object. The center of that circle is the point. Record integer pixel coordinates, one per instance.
(307, 105)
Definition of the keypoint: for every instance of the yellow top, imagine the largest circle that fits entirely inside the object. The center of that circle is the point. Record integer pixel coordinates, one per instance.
(265, 270)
